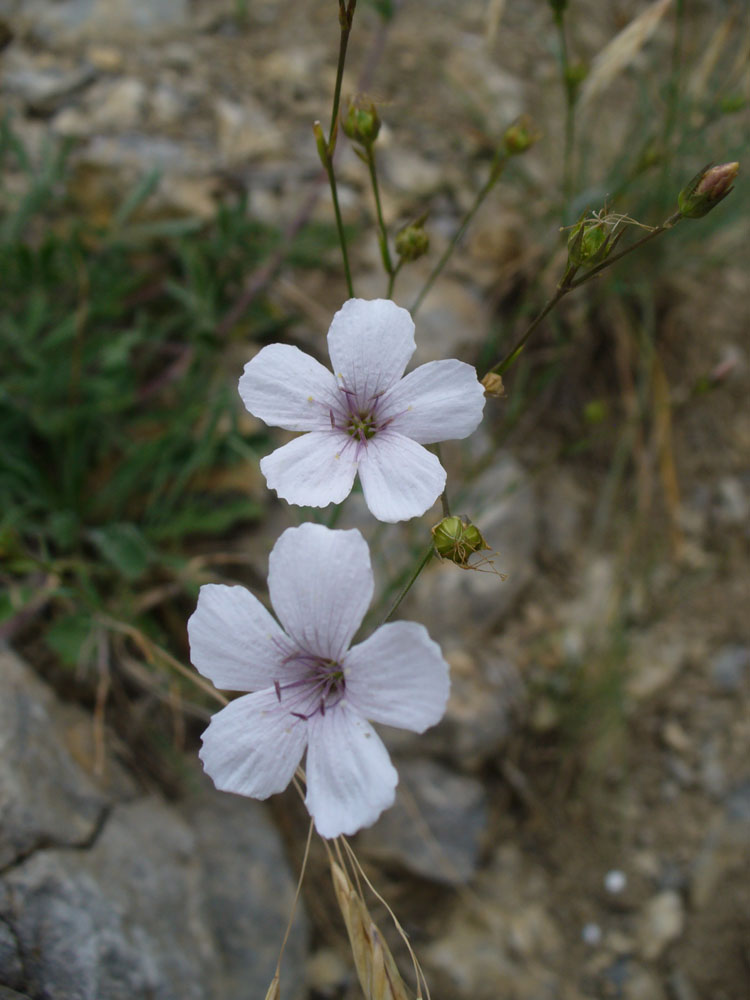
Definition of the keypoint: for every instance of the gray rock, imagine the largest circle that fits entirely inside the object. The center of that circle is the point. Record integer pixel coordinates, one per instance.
(156, 909)
(105, 895)
(70, 21)
(44, 88)
(456, 602)
(435, 829)
(725, 849)
(49, 794)
(6, 994)
(729, 666)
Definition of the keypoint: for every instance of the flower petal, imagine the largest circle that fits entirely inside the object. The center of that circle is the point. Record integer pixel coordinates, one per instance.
(439, 401)
(313, 470)
(398, 677)
(400, 478)
(287, 388)
(370, 344)
(253, 746)
(234, 641)
(350, 778)
(321, 585)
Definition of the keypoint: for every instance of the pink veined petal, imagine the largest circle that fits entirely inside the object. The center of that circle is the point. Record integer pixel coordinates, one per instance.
(370, 344)
(439, 401)
(287, 388)
(350, 778)
(398, 677)
(400, 479)
(320, 582)
(234, 641)
(313, 470)
(253, 746)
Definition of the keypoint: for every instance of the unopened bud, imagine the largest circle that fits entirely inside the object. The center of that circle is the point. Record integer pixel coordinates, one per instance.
(493, 385)
(320, 142)
(575, 74)
(361, 122)
(519, 136)
(413, 242)
(704, 192)
(456, 538)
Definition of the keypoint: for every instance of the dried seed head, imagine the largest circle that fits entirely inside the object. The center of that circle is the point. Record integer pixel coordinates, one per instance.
(520, 136)
(412, 242)
(493, 385)
(456, 538)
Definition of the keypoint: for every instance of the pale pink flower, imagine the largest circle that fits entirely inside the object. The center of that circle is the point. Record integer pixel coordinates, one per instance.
(311, 689)
(364, 417)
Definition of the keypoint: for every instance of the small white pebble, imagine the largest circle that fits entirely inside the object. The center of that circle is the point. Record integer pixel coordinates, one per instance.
(591, 934)
(615, 881)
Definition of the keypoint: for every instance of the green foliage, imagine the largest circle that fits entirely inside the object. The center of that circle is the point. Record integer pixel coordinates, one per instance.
(118, 425)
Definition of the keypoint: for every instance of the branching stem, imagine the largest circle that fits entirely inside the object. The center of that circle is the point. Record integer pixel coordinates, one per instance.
(495, 172)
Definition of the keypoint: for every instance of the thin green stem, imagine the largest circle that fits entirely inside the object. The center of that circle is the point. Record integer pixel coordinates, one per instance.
(383, 232)
(392, 279)
(326, 147)
(568, 283)
(424, 559)
(495, 172)
(670, 223)
(346, 16)
(570, 104)
(340, 226)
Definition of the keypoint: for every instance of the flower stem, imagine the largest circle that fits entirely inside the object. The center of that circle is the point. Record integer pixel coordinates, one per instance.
(568, 283)
(339, 226)
(424, 559)
(495, 171)
(346, 16)
(382, 231)
(392, 279)
(570, 103)
(326, 149)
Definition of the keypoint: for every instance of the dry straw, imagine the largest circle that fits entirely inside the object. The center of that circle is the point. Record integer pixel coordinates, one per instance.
(621, 51)
(376, 968)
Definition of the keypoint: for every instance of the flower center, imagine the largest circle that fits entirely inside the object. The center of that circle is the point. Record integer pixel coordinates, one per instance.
(320, 686)
(361, 426)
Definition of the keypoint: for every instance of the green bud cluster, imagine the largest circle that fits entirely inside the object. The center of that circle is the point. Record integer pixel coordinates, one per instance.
(456, 538)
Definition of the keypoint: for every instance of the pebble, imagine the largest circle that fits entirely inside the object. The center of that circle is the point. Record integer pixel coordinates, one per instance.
(661, 922)
(615, 881)
(729, 666)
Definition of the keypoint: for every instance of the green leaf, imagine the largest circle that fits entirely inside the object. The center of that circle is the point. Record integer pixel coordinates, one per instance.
(123, 547)
(67, 636)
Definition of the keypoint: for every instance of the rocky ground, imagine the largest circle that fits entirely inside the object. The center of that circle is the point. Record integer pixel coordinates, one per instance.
(579, 824)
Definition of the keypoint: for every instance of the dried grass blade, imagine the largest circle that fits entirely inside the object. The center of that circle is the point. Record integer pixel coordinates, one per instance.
(620, 51)
(376, 968)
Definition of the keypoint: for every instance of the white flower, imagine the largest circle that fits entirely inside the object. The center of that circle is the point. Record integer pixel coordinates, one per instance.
(310, 688)
(363, 418)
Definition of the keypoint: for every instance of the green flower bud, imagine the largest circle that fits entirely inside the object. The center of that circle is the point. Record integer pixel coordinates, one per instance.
(592, 240)
(412, 242)
(519, 136)
(456, 538)
(704, 192)
(361, 122)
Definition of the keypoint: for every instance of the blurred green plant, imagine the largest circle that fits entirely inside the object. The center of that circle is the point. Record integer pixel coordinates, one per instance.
(120, 447)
